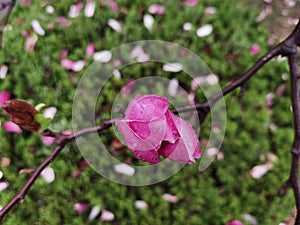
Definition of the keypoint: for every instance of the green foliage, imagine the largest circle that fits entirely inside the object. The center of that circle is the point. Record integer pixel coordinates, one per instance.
(223, 192)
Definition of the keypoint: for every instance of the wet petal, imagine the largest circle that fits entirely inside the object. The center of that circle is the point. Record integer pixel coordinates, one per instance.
(75, 9)
(170, 198)
(156, 9)
(3, 185)
(190, 3)
(107, 216)
(89, 9)
(115, 25)
(31, 42)
(50, 112)
(48, 175)
(4, 96)
(113, 5)
(204, 30)
(63, 21)
(172, 67)
(90, 49)
(125, 169)
(11, 127)
(81, 207)
(254, 49)
(103, 56)
(36, 26)
(140, 204)
(259, 171)
(3, 71)
(148, 21)
(94, 213)
(47, 140)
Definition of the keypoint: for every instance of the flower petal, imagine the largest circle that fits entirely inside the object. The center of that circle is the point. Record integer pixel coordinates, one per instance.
(204, 30)
(48, 175)
(254, 49)
(3, 71)
(103, 56)
(170, 198)
(140, 204)
(156, 9)
(125, 169)
(90, 50)
(190, 3)
(50, 112)
(75, 9)
(4, 96)
(63, 21)
(89, 9)
(48, 140)
(115, 25)
(11, 127)
(172, 67)
(113, 5)
(235, 222)
(3, 185)
(36, 26)
(148, 21)
(94, 213)
(81, 207)
(107, 216)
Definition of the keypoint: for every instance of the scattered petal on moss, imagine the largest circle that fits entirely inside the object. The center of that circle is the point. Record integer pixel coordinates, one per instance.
(148, 21)
(36, 26)
(204, 30)
(94, 213)
(63, 21)
(3, 71)
(190, 3)
(81, 207)
(1, 174)
(47, 140)
(156, 9)
(140, 204)
(3, 185)
(48, 175)
(170, 198)
(115, 25)
(4, 96)
(89, 9)
(11, 127)
(107, 216)
(187, 26)
(235, 222)
(75, 9)
(125, 169)
(103, 56)
(113, 5)
(90, 50)
(172, 67)
(254, 49)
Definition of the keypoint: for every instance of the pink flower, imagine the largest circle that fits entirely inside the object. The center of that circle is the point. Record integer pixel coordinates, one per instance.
(48, 140)
(190, 3)
(254, 49)
(64, 54)
(81, 207)
(75, 9)
(113, 5)
(90, 49)
(11, 127)
(151, 130)
(63, 21)
(156, 9)
(235, 222)
(4, 96)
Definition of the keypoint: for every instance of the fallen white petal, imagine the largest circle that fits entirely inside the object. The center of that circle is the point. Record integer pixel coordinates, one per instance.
(212, 152)
(107, 216)
(48, 175)
(125, 169)
(115, 25)
(117, 74)
(172, 67)
(212, 79)
(148, 21)
(143, 58)
(170, 198)
(37, 28)
(3, 71)
(78, 65)
(50, 112)
(103, 56)
(3, 185)
(259, 170)
(210, 10)
(187, 26)
(251, 219)
(94, 213)
(173, 87)
(49, 9)
(139, 204)
(136, 51)
(1, 174)
(89, 9)
(205, 30)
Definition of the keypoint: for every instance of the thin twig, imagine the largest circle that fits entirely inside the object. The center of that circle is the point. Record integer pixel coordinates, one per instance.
(6, 6)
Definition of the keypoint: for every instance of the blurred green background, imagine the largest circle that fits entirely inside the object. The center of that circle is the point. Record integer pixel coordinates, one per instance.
(223, 192)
